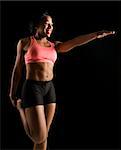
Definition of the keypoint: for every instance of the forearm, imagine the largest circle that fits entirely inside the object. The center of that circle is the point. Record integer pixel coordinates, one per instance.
(16, 76)
(83, 39)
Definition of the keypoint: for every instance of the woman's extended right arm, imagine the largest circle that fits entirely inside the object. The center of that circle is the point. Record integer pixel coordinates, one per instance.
(17, 71)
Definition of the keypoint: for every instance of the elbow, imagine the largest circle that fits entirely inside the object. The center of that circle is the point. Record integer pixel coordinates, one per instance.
(17, 70)
(16, 74)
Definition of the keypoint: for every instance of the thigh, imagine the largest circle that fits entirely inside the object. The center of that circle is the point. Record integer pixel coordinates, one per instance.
(35, 117)
(32, 94)
(50, 97)
(49, 113)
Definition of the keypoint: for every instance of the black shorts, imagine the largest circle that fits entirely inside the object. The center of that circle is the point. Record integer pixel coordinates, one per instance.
(37, 93)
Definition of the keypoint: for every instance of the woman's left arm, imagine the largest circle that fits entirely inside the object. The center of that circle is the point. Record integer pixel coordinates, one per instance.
(80, 40)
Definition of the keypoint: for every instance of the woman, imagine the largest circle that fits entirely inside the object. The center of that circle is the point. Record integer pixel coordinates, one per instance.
(38, 102)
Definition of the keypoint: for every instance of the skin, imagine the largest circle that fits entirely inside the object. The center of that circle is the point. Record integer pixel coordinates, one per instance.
(38, 130)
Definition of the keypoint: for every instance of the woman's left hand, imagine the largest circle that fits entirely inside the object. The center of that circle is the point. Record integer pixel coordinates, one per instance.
(104, 33)
(18, 104)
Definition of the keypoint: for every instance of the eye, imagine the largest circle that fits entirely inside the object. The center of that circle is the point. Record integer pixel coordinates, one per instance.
(49, 24)
(45, 24)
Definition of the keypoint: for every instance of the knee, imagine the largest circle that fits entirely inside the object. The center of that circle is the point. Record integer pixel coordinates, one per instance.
(39, 138)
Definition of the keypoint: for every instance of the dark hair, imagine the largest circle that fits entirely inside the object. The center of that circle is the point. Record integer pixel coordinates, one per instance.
(36, 20)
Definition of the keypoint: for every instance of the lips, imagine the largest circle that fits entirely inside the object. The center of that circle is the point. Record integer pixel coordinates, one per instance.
(48, 31)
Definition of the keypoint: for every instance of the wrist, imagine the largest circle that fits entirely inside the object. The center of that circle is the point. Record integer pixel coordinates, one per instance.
(99, 34)
(96, 35)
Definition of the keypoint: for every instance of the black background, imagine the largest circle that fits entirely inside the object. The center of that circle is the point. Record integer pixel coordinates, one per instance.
(87, 79)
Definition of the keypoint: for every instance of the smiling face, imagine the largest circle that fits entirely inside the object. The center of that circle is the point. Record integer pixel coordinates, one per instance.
(46, 27)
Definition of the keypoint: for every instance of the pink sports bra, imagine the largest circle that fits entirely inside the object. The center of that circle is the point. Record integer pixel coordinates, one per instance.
(37, 53)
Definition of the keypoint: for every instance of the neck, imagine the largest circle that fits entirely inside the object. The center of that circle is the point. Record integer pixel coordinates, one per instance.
(42, 40)
(40, 37)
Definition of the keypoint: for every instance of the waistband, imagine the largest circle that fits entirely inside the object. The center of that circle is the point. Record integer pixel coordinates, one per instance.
(36, 81)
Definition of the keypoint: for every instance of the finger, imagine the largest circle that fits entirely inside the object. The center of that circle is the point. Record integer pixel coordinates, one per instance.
(19, 100)
(109, 33)
(19, 104)
(113, 32)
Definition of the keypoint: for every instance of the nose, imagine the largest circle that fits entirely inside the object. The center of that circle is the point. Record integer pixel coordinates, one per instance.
(49, 26)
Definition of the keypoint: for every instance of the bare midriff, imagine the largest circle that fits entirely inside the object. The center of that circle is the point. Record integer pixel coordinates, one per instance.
(40, 71)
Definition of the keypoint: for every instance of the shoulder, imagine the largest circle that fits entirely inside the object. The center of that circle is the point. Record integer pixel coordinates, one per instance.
(57, 42)
(24, 42)
(57, 45)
